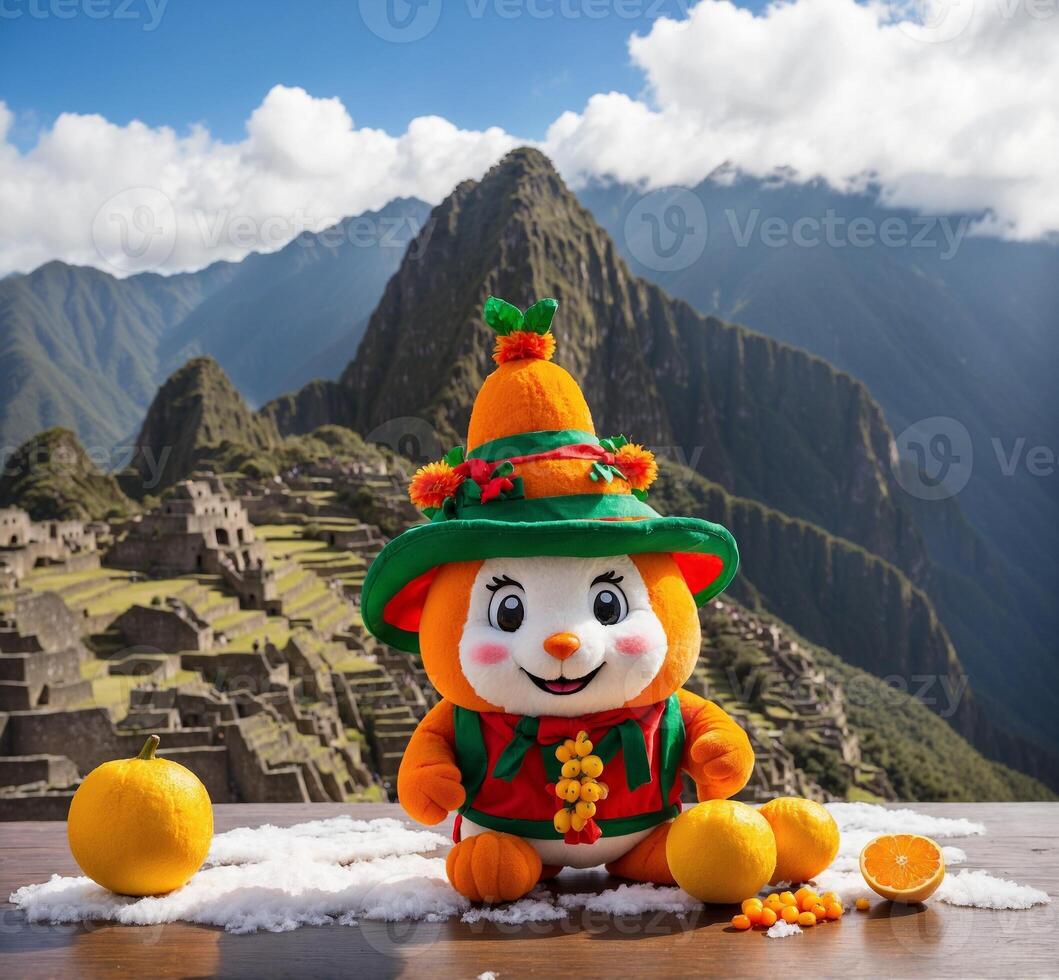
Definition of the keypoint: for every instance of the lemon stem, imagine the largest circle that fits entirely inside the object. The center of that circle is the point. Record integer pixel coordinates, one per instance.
(152, 743)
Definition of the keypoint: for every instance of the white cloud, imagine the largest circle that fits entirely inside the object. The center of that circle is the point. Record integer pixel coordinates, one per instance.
(958, 109)
(954, 110)
(129, 198)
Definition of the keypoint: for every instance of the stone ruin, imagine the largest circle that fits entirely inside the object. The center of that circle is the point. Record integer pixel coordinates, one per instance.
(323, 716)
(26, 544)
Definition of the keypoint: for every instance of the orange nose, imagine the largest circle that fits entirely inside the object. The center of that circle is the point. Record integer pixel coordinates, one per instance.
(562, 645)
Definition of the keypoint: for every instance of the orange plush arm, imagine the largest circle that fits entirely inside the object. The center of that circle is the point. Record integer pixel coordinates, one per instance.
(717, 752)
(428, 782)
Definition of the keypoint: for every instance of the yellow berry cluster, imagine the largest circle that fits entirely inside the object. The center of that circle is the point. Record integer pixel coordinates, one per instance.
(803, 907)
(579, 787)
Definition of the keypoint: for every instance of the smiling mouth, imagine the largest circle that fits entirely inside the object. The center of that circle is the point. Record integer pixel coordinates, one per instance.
(563, 685)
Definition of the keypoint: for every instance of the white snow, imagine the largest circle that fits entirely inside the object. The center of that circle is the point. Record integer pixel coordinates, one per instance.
(981, 890)
(633, 900)
(341, 871)
(781, 930)
(538, 906)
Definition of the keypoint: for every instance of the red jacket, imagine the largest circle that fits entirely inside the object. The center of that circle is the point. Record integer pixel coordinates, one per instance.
(508, 768)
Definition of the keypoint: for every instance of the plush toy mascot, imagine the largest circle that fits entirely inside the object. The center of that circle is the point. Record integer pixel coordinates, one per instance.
(555, 613)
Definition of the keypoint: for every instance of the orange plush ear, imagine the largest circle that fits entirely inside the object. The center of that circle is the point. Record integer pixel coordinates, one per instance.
(675, 607)
(441, 626)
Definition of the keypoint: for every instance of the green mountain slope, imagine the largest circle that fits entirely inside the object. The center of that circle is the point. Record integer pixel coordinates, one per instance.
(936, 328)
(298, 313)
(52, 478)
(77, 348)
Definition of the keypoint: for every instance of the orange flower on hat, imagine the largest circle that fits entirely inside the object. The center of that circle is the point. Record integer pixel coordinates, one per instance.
(433, 484)
(637, 465)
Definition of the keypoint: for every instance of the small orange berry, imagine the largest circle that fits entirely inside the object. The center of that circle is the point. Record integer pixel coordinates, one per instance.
(787, 898)
(806, 919)
(808, 900)
(740, 922)
(768, 917)
(829, 897)
(819, 911)
(801, 893)
(789, 913)
(751, 904)
(833, 910)
(863, 905)
(773, 902)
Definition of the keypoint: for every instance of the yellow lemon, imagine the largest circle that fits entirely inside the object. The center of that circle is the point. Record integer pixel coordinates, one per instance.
(721, 851)
(806, 837)
(140, 826)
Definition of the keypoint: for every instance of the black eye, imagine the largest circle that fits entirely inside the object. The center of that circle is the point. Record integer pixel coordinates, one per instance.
(609, 606)
(509, 613)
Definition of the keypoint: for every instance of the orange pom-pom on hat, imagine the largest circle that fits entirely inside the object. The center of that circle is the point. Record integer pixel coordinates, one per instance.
(637, 465)
(524, 345)
(433, 484)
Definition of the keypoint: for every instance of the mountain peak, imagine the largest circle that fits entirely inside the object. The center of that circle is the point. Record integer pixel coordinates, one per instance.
(52, 478)
(196, 409)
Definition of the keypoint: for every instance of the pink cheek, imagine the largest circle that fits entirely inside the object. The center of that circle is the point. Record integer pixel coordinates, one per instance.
(633, 646)
(489, 653)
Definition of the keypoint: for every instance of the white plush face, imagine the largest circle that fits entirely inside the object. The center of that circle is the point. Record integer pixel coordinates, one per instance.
(518, 608)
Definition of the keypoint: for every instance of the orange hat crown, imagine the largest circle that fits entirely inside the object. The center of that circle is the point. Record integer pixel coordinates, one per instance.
(531, 433)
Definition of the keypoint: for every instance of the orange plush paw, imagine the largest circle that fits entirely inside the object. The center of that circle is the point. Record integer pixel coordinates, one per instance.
(492, 867)
(722, 764)
(429, 793)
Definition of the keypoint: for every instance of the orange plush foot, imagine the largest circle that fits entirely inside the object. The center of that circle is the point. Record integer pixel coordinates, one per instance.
(647, 860)
(549, 871)
(492, 867)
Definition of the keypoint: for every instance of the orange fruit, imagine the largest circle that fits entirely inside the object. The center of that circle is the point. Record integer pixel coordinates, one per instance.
(768, 918)
(740, 922)
(789, 913)
(806, 919)
(140, 826)
(863, 905)
(806, 837)
(721, 850)
(787, 898)
(834, 910)
(903, 867)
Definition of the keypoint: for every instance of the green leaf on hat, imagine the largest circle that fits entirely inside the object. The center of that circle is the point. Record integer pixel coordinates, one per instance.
(506, 468)
(538, 317)
(502, 316)
(454, 456)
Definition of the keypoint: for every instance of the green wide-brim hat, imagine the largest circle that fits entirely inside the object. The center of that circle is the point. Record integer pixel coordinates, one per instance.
(536, 482)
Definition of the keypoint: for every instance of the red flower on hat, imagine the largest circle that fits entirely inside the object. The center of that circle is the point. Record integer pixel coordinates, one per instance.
(637, 465)
(433, 484)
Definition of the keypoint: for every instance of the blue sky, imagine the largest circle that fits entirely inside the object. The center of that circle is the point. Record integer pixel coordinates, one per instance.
(291, 114)
(212, 62)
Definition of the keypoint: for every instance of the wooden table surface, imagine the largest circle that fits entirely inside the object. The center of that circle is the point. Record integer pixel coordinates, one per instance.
(930, 940)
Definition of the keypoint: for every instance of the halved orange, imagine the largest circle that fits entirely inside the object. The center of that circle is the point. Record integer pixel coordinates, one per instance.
(903, 867)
